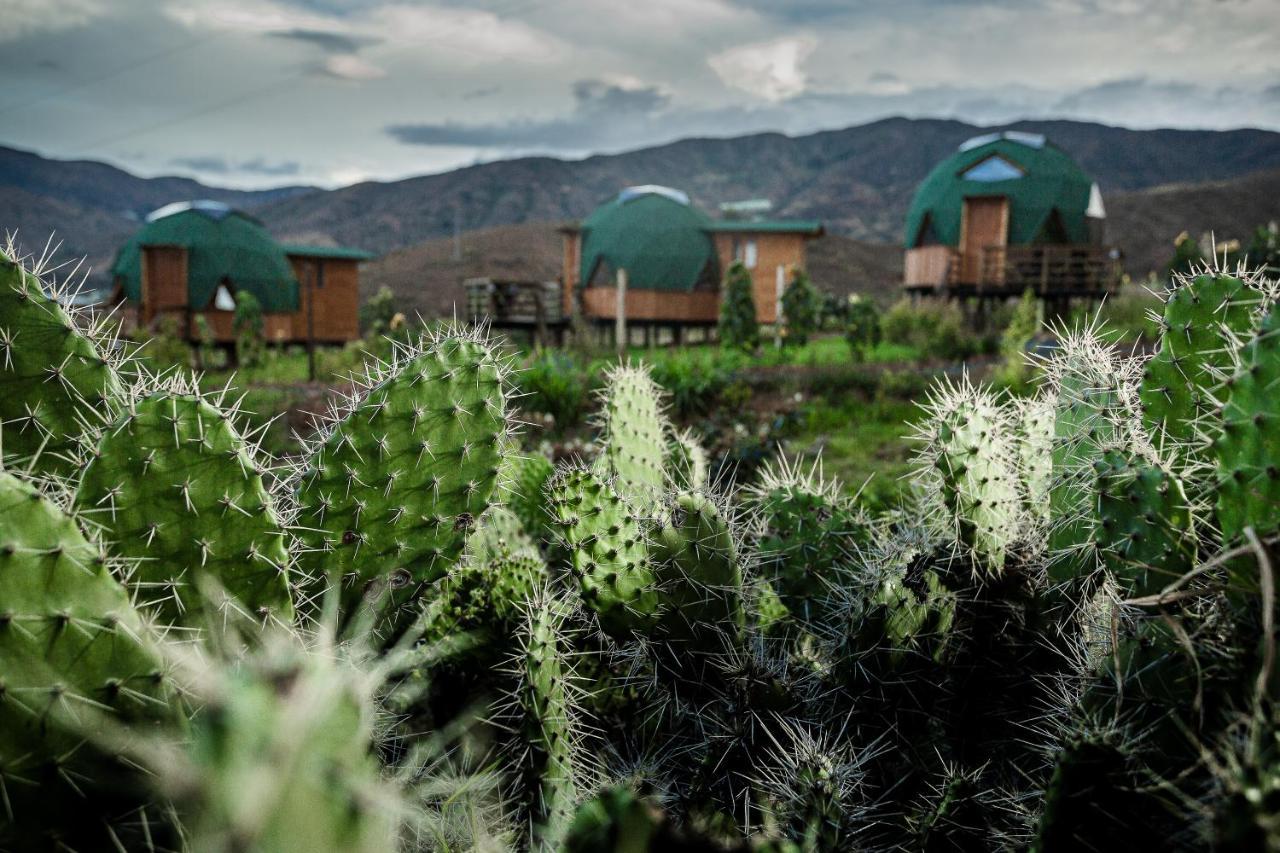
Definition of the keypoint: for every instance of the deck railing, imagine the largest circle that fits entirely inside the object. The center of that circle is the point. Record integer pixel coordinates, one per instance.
(1044, 269)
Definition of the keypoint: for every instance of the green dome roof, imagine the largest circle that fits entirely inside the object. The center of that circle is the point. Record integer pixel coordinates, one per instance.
(221, 243)
(1037, 177)
(661, 240)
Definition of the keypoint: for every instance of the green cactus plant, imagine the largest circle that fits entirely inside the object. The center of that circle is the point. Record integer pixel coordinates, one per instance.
(546, 702)
(1145, 531)
(526, 478)
(76, 662)
(609, 550)
(387, 494)
(1247, 449)
(633, 435)
(1203, 316)
(687, 462)
(57, 373)
(969, 443)
(179, 491)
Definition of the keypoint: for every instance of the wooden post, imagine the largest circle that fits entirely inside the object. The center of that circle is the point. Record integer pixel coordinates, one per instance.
(1044, 271)
(316, 280)
(779, 285)
(620, 314)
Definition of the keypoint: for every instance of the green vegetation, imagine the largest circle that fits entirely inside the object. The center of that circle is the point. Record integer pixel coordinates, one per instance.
(415, 633)
(738, 326)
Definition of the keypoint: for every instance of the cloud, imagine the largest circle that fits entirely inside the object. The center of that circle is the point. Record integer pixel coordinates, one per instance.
(21, 18)
(214, 165)
(769, 70)
(605, 112)
(327, 40)
(348, 66)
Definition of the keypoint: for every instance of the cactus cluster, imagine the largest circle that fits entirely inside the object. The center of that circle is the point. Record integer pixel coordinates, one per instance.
(417, 635)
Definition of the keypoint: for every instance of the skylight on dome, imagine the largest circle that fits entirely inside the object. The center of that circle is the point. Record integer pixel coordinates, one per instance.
(1031, 140)
(992, 169)
(653, 189)
(212, 209)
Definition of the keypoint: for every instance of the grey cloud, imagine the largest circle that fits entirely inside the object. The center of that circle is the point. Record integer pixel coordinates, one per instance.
(883, 77)
(213, 165)
(604, 114)
(1124, 93)
(481, 92)
(328, 41)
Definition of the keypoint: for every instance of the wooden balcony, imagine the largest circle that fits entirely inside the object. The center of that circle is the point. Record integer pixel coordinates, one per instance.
(1048, 270)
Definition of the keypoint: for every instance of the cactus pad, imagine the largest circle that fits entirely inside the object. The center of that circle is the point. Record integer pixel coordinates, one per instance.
(633, 435)
(699, 576)
(1144, 524)
(176, 488)
(1248, 448)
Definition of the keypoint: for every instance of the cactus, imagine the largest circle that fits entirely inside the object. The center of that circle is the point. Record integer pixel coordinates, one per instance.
(388, 492)
(75, 658)
(1035, 455)
(1145, 533)
(697, 567)
(1203, 316)
(546, 704)
(633, 435)
(280, 759)
(178, 490)
(969, 445)
(609, 551)
(57, 373)
(1248, 448)
(526, 478)
(803, 530)
(687, 462)
(811, 785)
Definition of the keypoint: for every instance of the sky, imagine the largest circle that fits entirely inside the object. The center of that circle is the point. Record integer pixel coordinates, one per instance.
(257, 93)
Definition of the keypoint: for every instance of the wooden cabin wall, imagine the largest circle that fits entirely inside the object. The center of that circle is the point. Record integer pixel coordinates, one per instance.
(337, 301)
(164, 282)
(662, 305)
(772, 250)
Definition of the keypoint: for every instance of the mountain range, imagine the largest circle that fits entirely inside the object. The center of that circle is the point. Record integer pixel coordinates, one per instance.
(858, 181)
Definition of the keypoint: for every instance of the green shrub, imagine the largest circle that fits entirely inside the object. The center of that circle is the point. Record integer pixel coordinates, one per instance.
(248, 325)
(378, 311)
(937, 329)
(1023, 326)
(738, 326)
(557, 385)
(695, 379)
(862, 326)
(800, 306)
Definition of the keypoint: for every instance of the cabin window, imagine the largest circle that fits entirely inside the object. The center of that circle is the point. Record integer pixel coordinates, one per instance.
(991, 169)
(223, 300)
(746, 251)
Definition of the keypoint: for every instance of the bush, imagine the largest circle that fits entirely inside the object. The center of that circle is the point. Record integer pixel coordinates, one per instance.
(862, 326)
(695, 380)
(937, 329)
(1023, 326)
(738, 326)
(555, 384)
(164, 347)
(800, 306)
(248, 325)
(377, 313)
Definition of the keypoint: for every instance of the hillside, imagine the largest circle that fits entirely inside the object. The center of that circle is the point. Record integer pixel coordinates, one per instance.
(92, 207)
(859, 180)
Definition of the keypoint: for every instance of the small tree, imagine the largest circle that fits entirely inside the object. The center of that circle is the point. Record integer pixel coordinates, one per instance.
(800, 306)
(205, 337)
(377, 313)
(1022, 329)
(248, 325)
(738, 326)
(862, 326)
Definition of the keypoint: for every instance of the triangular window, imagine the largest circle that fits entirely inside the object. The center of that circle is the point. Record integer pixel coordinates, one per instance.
(927, 235)
(991, 169)
(223, 300)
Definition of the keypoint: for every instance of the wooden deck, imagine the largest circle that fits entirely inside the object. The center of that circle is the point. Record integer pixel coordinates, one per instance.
(1050, 271)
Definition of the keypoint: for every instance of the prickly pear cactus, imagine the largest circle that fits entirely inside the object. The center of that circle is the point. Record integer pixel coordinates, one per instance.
(803, 529)
(387, 495)
(526, 478)
(1094, 396)
(633, 435)
(811, 787)
(56, 375)
(1035, 455)
(549, 763)
(280, 758)
(1145, 532)
(687, 462)
(699, 576)
(609, 550)
(969, 445)
(1248, 447)
(176, 488)
(1202, 317)
(73, 655)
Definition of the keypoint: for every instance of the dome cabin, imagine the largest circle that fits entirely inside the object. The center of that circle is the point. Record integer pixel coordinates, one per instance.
(652, 254)
(1005, 213)
(191, 259)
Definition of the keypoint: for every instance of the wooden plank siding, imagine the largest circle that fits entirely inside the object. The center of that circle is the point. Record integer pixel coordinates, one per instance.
(337, 299)
(164, 283)
(661, 305)
(772, 250)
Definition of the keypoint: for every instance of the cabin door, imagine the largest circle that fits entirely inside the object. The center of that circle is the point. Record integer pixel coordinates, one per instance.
(984, 231)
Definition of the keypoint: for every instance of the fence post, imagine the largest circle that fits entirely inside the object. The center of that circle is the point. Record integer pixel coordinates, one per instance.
(620, 315)
(779, 284)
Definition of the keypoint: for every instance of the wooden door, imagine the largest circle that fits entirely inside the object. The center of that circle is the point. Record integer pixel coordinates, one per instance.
(984, 224)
